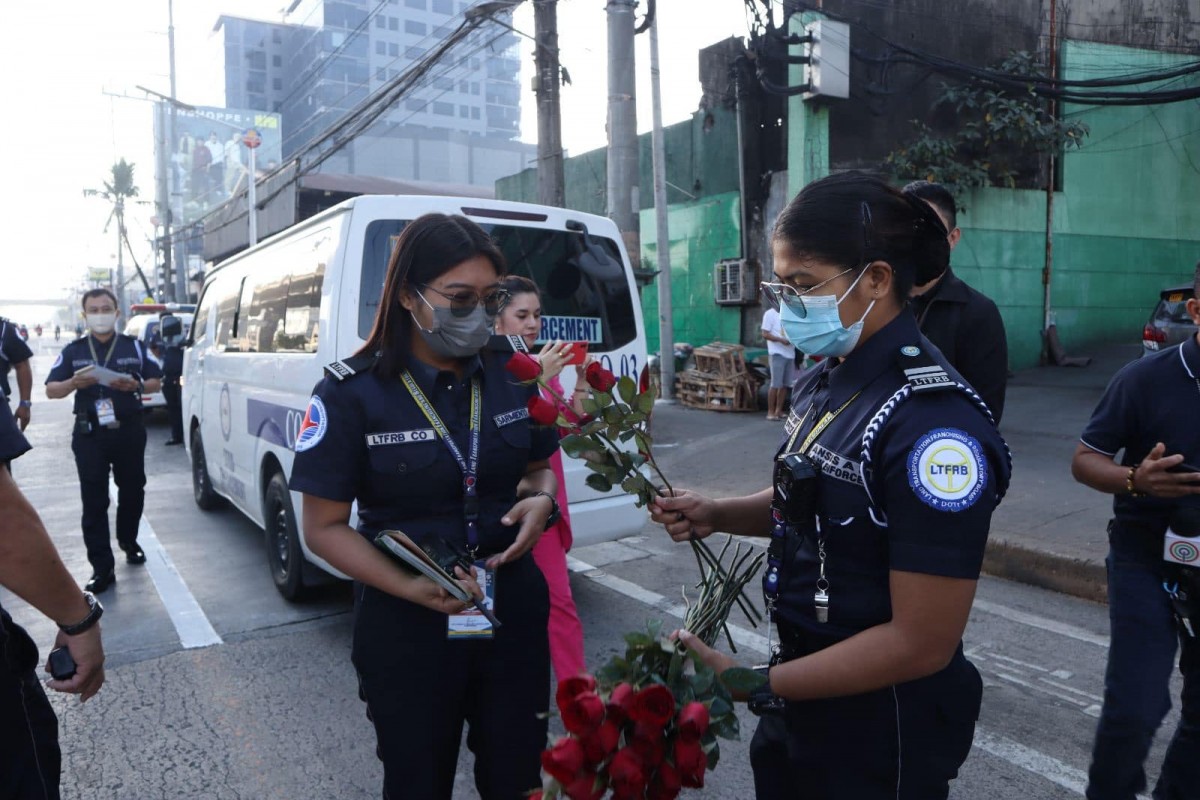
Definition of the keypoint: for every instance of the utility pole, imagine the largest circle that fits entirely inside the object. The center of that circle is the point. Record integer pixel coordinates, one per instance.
(623, 200)
(1047, 270)
(122, 297)
(666, 322)
(163, 192)
(180, 267)
(549, 117)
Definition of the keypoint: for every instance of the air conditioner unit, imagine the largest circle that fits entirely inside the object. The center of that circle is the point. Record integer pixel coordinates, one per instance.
(735, 282)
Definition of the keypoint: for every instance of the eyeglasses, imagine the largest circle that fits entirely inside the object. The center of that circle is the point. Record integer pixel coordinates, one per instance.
(462, 303)
(774, 294)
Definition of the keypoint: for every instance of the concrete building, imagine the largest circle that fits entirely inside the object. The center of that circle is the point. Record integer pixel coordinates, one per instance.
(460, 124)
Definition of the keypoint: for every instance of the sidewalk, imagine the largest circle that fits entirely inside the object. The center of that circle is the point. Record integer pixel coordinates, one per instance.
(1050, 531)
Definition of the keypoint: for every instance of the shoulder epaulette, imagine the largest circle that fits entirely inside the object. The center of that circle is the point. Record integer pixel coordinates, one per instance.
(349, 367)
(923, 372)
(507, 343)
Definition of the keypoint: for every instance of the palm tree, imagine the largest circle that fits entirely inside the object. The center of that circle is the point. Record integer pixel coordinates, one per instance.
(117, 191)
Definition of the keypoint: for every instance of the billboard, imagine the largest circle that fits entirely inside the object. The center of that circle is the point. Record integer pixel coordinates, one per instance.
(207, 162)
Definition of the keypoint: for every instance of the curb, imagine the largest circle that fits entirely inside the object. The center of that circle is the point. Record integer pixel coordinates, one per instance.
(1077, 577)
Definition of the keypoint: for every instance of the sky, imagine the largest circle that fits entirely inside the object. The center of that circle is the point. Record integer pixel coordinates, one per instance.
(71, 69)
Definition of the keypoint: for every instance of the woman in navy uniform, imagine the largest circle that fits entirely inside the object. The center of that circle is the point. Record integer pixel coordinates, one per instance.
(885, 482)
(425, 429)
(109, 430)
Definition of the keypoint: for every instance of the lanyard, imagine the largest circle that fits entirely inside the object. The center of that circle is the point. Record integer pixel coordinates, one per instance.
(469, 465)
(107, 355)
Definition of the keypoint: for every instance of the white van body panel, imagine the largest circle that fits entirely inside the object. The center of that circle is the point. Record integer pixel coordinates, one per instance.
(249, 405)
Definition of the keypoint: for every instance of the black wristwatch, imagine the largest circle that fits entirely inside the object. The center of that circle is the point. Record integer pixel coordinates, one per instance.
(555, 511)
(95, 611)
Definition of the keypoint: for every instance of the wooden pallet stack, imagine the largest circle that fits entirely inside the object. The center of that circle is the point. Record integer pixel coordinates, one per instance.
(719, 382)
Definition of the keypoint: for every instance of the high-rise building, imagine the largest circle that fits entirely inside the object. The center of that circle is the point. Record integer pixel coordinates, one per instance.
(459, 124)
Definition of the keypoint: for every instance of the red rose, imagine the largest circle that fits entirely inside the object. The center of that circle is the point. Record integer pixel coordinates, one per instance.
(625, 772)
(584, 713)
(541, 411)
(569, 687)
(524, 367)
(620, 703)
(563, 760)
(585, 787)
(644, 379)
(599, 378)
(655, 705)
(691, 763)
(665, 785)
(650, 743)
(692, 720)
(601, 743)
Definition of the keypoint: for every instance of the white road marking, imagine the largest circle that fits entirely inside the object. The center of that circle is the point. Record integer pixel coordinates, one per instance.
(190, 623)
(1031, 760)
(1044, 623)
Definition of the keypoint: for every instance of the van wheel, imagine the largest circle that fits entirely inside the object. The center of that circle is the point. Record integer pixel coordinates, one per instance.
(202, 489)
(284, 555)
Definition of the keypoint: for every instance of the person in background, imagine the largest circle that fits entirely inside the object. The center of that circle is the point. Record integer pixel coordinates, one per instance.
(30, 759)
(428, 432)
(170, 328)
(875, 547)
(57, 332)
(109, 430)
(15, 355)
(783, 365)
(522, 316)
(964, 323)
(1148, 413)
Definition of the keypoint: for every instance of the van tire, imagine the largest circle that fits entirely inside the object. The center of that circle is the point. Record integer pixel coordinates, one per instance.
(203, 493)
(284, 554)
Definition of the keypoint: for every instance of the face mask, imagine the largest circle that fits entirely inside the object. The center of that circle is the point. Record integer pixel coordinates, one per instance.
(821, 333)
(453, 336)
(101, 323)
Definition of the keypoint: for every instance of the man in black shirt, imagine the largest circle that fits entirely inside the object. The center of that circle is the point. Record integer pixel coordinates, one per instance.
(964, 323)
(1149, 412)
(109, 430)
(15, 355)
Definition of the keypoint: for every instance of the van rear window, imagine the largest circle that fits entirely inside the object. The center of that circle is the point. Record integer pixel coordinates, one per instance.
(585, 289)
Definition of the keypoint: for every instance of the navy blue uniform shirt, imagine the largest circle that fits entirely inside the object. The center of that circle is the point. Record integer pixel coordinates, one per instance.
(12, 442)
(909, 479)
(172, 361)
(128, 356)
(364, 438)
(13, 350)
(1153, 399)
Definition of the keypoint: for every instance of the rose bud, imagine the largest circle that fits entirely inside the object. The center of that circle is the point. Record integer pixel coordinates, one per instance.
(644, 379)
(692, 720)
(650, 743)
(601, 743)
(541, 411)
(599, 378)
(625, 772)
(665, 785)
(584, 713)
(524, 367)
(655, 705)
(620, 703)
(587, 786)
(563, 760)
(569, 687)
(691, 762)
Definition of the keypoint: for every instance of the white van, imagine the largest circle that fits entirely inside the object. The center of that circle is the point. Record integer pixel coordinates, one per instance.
(270, 318)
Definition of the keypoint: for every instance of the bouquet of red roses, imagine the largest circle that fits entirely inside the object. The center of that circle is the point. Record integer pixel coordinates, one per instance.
(645, 727)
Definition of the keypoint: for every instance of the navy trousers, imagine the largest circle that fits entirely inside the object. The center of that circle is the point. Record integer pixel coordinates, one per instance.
(1137, 695)
(123, 450)
(30, 760)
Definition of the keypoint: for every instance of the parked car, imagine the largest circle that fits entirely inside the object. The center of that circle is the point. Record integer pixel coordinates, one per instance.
(143, 326)
(1169, 322)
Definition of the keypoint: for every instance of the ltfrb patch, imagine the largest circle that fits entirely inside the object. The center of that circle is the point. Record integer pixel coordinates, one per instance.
(313, 426)
(947, 469)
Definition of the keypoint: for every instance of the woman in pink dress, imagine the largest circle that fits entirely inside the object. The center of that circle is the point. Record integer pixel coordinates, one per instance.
(522, 316)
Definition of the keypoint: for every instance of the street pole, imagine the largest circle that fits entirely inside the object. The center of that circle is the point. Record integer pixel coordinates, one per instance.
(163, 190)
(122, 303)
(251, 198)
(549, 118)
(623, 201)
(1047, 270)
(180, 270)
(666, 323)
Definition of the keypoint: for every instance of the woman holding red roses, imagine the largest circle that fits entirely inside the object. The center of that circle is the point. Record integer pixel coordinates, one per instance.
(521, 316)
(427, 431)
(884, 487)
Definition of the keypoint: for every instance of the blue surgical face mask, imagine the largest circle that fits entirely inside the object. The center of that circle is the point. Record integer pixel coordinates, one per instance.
(821, 332)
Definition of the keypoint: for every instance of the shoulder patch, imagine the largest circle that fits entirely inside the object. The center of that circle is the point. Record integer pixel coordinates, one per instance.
(58, 361)
(922, 371)
(313, 426)
(947, 469)
(349, 367)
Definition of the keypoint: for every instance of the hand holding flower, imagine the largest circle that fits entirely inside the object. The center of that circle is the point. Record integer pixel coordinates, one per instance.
(687, 516)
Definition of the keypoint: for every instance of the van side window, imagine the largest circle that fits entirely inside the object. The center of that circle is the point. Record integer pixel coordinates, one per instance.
(227, 318)
(303, 310)
(265, 301)
(200, 323)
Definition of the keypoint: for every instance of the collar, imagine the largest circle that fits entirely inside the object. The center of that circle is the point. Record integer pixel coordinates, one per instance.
(426, 375)
(1189, 354)
(871, 358)
(950, 289)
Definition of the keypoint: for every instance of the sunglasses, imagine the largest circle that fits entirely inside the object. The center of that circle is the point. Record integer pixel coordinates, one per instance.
(776, 294)
(462, 303)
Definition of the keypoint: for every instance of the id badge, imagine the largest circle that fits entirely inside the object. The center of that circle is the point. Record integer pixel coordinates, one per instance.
(472, 624)
(105, 414)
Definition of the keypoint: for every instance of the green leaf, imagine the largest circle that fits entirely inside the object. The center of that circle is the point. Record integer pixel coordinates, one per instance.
(627, 388)
(720, 706)
(612, 415)
(599, 483)
(639, 640)
(702, 681)
(713, 753)
(741, 680)
(575, 445)
(645, 401)
(589, 404)
(726, 727)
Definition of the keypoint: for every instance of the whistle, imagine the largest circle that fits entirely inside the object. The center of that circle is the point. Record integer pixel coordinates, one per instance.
(821, 604)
